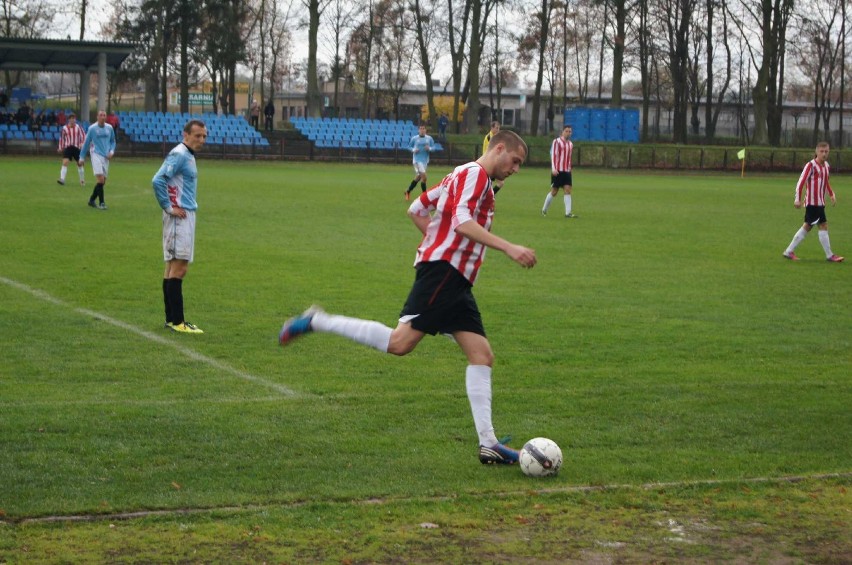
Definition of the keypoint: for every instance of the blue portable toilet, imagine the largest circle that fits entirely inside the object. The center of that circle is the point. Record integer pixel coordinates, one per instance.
(578, 119)
(630, 125)
(597, 125)
(614, 118)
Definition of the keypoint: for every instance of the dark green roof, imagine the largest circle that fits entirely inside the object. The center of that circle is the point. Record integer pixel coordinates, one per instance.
(60, 55)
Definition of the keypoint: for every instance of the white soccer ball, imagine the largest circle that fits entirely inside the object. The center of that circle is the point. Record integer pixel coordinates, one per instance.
(540, 457)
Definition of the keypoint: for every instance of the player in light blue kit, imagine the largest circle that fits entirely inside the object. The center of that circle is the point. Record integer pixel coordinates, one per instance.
(421, 146)
(100, 143)
(175, 186)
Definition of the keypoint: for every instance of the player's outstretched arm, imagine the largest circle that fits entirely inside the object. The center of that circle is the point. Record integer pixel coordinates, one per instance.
(521, 255)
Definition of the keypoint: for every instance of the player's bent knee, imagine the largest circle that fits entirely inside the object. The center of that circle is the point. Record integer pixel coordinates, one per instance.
(400, 348)
(403, 341)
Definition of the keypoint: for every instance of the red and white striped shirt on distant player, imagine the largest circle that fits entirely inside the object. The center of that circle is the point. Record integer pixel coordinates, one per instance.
(560, 155)
(71, 137)
(465, 195)
(814, 183)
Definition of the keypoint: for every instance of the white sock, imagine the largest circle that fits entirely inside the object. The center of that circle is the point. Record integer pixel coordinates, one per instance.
(567, 204)
(797, 239)
(826, 243)
(547, 200)
(365, 332)
(62, 172)
(478, 383)
(82, 172)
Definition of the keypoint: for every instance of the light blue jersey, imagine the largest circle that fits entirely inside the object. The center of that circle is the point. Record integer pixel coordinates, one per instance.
(176, 182)
(100, 140)
(421, 146)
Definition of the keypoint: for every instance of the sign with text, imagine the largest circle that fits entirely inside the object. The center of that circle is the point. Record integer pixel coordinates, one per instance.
(195, 99)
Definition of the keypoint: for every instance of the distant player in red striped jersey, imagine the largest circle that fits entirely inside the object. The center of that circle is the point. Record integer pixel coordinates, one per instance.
(455, 218)
(561, 151)
(71, 138)
(810, 191)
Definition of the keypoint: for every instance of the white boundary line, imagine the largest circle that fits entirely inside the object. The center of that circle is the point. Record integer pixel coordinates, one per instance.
(371, 501)
(194, 355)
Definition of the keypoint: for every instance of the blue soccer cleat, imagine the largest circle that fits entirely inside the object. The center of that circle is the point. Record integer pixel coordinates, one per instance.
(298, 325)
(498, 454)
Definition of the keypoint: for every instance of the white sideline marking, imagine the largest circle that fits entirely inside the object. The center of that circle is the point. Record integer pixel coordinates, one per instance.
(194, 355)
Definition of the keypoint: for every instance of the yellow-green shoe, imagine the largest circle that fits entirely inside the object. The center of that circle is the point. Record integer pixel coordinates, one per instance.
(186, 328)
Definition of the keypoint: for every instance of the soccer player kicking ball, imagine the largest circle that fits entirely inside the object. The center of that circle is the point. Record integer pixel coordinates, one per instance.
(455, 238)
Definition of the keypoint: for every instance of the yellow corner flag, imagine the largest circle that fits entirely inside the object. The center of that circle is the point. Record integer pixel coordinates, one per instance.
(741, 157)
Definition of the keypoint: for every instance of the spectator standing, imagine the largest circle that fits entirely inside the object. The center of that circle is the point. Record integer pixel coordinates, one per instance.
(254, 112)
(443, 122)
(269, 115)
(113, 120)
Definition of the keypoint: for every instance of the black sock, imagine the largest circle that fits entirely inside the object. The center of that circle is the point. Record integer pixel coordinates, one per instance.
(174, 288)
(412, 185)
(166, 301)
(423, 186)
(100, 189)
(94, 193)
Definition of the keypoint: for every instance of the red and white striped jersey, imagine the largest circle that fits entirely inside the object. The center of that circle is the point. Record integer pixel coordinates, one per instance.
(426, 203)
(814, 184)
(465, 195)
(71, 137)
(560, 155)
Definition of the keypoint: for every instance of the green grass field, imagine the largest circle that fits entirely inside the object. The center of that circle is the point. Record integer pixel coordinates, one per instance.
(699, 384)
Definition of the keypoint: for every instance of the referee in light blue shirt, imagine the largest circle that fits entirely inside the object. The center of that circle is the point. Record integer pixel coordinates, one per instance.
(421, 146)
(100, 143)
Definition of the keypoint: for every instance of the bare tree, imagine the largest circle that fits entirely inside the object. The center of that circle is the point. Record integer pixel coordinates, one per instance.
(620, 10)
(339, 20)
(532, 49)
(398, 52)
(313, 96)
(361, 48)
(582, 30)
(676, 17)
(818, 52)
(24, 19)
(714, 100)
(425, 28)
(278, 40)
(644, 48)
(696, 78)
(766, 21)
(457, 37)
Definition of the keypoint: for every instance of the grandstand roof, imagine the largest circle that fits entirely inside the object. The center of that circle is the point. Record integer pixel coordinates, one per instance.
(59, 55)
